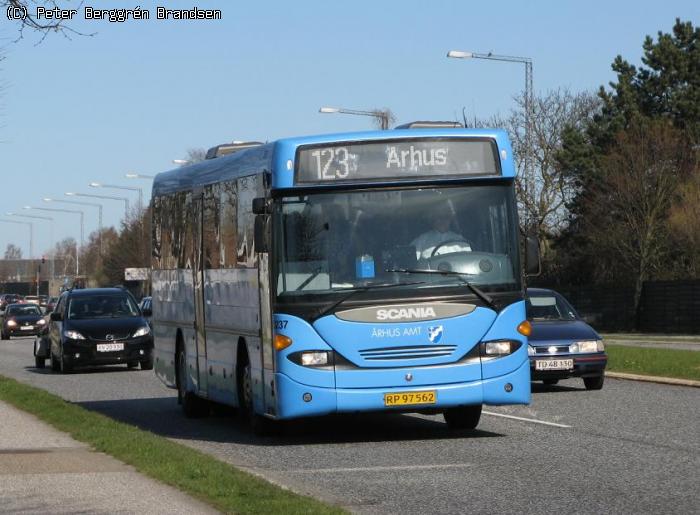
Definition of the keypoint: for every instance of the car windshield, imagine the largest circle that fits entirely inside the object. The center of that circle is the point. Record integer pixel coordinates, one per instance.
(23, 310)
(549, 307)
(332, 242)
(102, 306)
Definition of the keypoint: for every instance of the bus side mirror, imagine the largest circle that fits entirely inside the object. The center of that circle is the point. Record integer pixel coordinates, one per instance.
(261, 206)
(261, 233)
(533, 266)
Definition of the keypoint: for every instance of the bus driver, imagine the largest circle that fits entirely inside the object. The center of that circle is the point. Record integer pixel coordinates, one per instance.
(438, 237)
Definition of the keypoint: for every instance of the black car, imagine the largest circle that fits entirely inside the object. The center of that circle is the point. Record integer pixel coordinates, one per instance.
(100, 326)
(21, 320)
(562, 345)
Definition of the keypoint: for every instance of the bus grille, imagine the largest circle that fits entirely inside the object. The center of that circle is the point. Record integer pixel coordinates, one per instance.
(401, 353)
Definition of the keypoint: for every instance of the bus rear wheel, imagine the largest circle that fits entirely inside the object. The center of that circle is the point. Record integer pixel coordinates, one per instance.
(192, 406)
(464, 417)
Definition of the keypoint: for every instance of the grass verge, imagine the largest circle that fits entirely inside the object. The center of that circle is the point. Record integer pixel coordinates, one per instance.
(681, 364)
(199, 475)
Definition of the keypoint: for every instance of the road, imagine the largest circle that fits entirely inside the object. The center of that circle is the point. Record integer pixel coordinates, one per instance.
(629, 448)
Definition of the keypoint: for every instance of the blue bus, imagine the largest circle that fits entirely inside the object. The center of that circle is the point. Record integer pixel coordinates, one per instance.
(342, 273)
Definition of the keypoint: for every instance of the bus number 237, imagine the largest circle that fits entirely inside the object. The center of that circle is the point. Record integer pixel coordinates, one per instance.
(326, 157)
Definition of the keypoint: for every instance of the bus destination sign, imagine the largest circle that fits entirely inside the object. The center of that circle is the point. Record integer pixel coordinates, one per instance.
(397, 159)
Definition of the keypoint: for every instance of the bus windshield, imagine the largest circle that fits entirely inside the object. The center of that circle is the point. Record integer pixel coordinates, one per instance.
(342, 240)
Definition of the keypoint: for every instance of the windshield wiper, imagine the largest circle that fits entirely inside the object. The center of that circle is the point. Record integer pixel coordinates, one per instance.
(337, 303)
(460, 275)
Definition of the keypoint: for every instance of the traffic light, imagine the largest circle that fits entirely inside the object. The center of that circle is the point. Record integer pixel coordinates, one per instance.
(43, 260)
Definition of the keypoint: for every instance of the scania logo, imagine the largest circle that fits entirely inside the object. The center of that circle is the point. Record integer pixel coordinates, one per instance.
(406, 313)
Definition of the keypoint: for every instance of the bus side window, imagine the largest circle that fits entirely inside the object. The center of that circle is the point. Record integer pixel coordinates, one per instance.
(210, 227)
(228, 225)
(156, 233)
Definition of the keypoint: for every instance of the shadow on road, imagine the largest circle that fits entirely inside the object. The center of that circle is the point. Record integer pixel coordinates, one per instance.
(163, 416)
(78, 371)
(544, 388)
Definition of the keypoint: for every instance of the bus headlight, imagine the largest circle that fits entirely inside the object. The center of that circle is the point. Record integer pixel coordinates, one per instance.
(586, 346)
(499, 348)
(314, 358)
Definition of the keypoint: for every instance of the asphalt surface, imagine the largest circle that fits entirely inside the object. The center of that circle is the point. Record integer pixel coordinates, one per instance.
(630, 448)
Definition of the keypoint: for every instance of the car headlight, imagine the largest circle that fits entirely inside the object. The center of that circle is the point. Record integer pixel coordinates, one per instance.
(142, 331)
(41, 321)
(11, 323)
(587, 346)
(530, 350)
(73, 335)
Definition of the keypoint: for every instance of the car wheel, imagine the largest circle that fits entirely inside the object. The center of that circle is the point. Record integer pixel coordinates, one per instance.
(594, 383)
(132, 364)
(55, 365)
(147, 365)
(464, 417)
(39, 362)
(65, 367)
(550, 382)
(3, 336)
(192, 406)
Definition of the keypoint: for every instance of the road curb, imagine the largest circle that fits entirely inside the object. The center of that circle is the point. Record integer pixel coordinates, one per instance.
(654, 379)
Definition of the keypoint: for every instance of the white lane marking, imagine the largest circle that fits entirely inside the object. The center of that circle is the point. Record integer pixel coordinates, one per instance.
(388, 468)
(533, 420)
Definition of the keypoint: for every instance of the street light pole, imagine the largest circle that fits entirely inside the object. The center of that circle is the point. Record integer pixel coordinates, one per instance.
(31, 233)
(529, 96)
(93, 204)
(51, 220)
(108, 197)
(382, 116)
(82, 229)
(134, 175)
(117, 187)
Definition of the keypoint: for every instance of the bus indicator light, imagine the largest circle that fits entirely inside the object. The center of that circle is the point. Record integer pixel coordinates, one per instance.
(282, 342)
(525, 328)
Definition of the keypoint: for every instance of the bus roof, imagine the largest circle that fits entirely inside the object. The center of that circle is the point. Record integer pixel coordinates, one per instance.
(278, 157)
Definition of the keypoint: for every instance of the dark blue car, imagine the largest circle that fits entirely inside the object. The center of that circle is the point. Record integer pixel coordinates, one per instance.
(562, 345)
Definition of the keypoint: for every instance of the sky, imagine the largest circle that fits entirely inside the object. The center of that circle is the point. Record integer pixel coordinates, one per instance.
(134, 96)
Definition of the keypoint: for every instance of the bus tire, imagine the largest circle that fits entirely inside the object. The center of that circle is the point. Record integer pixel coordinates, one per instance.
(594, 383)
(464, 417)
(259, 425)
(192, 406)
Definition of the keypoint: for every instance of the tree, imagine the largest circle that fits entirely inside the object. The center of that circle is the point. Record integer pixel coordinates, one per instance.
(66, 250)
(543, 190)
(25, 16)
(664, 92)
(193, 155)
(684, 223)
(13, 251)
(625, 219)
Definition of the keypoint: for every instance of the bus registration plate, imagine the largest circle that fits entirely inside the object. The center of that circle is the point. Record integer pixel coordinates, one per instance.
(554, 364)
(410, 398)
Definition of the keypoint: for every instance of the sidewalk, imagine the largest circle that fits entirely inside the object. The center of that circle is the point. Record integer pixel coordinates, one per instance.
(45, 471)
(658, 341)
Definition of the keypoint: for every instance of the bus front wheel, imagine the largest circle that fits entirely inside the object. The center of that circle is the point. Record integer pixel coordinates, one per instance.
(464, 417)
(261, 426)
(192, 406)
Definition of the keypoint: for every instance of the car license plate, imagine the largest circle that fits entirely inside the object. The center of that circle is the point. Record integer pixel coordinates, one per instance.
(554, 364)
(410, 398)
(109, 347)
(26, 328)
